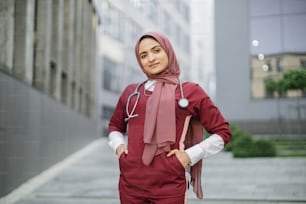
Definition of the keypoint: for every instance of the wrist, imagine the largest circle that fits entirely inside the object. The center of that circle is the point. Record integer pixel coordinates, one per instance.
(120, 149)
(188, 160)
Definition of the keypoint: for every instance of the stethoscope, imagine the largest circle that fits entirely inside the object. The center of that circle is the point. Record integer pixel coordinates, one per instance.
(182, 103)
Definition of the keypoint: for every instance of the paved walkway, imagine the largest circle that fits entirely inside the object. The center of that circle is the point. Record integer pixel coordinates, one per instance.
(90, 177)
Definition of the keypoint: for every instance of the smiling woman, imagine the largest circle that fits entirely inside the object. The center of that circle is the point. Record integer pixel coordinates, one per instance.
(154, 164)
(152, 56)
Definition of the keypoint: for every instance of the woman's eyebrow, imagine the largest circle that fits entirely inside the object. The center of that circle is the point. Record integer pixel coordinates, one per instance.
(156, 46)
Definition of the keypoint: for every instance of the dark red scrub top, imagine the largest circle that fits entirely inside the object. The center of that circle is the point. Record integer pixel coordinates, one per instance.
(165, 177)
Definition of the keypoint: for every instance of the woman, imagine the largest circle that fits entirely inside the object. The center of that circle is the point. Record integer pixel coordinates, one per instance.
(164, 137)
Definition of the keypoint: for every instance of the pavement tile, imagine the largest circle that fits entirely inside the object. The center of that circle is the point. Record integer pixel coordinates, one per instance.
(94, 178)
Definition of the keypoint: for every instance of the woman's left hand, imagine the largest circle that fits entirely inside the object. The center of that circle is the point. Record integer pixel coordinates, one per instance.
(182, 156)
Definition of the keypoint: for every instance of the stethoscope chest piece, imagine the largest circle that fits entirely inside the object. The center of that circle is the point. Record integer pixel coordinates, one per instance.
(183, 103)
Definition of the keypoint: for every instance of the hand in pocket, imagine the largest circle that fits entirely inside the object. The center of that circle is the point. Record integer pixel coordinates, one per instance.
(182, 156)
(121, 149)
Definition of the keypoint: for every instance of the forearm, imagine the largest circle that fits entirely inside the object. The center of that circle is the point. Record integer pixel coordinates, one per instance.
(115, 139)
(206, 148)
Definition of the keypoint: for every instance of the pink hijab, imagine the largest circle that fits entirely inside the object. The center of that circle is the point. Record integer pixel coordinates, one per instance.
(160, 126)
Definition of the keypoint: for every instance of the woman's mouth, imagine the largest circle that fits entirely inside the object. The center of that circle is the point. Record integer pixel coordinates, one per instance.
(153, 65)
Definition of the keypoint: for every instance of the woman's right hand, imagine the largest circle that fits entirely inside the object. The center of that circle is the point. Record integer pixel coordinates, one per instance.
(121, 149)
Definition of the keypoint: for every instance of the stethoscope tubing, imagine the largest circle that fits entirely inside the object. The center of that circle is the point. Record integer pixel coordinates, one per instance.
(137, 94)
(183, 102)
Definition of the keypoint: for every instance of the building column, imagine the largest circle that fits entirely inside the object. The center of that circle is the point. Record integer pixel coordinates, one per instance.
(84, 63)
(94, 42)
(7, 9)
(57, 42)
(77, 55)
(42, 45)
(24, 40)
(69, 42)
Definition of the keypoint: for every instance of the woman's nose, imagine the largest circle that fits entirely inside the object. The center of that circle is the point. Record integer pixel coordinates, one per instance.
(151, 57)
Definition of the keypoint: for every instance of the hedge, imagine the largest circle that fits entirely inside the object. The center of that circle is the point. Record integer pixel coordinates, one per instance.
(243, 144)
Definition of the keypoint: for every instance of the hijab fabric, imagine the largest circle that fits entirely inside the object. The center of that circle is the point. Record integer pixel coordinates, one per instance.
(159, 125)
(159, 128)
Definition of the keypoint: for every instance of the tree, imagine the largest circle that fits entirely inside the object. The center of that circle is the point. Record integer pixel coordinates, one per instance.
(296, 80)
(270, 86)
(277, 86)
(291, 80)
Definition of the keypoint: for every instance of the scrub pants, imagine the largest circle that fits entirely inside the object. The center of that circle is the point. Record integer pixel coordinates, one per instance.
(127, 199)
(163, 182)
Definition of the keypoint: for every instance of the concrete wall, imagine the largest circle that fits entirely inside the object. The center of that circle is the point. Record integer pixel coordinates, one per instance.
(36, 132)
(232, 60)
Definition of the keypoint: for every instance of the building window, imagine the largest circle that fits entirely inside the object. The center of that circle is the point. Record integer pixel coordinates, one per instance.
(135, 75)
(137, 3)
(111, 75)
(64, 88)
(167, 23)
(272, 67)
(113, 23)
(303, 63)
(52, 85)
(72, 95)
(278, 64)
(133, 30)
(107, 112)
(186, 44)
(153, 4)
(276, 50)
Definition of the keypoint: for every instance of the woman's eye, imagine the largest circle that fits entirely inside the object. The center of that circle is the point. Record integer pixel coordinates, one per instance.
(142, 56)
(157, 50)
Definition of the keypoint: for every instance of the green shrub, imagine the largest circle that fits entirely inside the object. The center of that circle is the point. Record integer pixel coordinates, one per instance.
(236, 133)
(243, 145)
(264, 148)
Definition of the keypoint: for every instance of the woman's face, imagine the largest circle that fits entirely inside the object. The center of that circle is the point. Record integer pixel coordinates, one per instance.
(152, 56)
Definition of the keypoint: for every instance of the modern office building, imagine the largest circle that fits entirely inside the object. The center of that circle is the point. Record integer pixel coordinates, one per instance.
(121, 25)
(47, 85)
(221, 57)
(254, 40)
